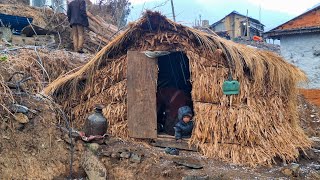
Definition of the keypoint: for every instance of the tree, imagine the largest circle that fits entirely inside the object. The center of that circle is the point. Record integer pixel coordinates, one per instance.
(117, 9)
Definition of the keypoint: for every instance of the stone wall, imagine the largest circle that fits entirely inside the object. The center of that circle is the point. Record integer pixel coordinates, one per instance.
(303, 50)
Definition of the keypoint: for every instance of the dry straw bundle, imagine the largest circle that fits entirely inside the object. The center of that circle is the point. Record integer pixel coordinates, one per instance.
(37, 68)
(251, 128)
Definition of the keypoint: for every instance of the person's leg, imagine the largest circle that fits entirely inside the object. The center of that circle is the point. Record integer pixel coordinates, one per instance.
(81, 37)
(75, 37)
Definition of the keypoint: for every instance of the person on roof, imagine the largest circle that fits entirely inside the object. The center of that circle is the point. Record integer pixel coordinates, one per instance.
(184, 127)
(78, 19)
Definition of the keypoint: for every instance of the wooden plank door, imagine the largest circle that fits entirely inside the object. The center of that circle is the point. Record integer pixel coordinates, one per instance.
(142, 76)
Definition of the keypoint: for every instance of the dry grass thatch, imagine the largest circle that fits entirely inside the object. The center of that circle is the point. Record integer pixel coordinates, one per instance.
(37, 67)
(251, 128)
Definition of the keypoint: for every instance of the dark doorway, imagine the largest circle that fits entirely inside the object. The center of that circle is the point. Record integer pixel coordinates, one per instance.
(173, 89)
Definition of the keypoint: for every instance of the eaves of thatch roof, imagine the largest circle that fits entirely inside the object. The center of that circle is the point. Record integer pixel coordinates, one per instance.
(239, 56)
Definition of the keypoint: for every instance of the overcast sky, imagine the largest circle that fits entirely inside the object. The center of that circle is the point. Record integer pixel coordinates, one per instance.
(273, 12)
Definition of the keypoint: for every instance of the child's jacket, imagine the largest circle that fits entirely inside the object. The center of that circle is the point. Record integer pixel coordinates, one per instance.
(182, 129)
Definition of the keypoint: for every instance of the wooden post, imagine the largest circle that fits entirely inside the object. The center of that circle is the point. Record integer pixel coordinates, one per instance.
(174, 16)
(248, 27)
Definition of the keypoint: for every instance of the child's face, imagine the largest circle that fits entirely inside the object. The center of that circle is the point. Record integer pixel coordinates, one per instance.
(186, 119)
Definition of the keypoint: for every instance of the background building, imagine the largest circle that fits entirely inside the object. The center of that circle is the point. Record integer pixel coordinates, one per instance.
(300, 43)
(235, 25)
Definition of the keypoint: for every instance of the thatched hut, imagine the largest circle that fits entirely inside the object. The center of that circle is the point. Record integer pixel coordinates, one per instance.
(253, 127)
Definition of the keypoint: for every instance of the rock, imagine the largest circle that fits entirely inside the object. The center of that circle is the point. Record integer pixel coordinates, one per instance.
(93, 147)
(312, 115)
(188, 162)
(123, 150)
(196, 177)
(315, 139)
(93, 167)
(286, 171)
(21, 118)
(295, 167)
(115, 155)
(171, 151)
(292, 170)
(125, 155)
(105, 153)
(316, 167)
(17, 108)
(135, 158)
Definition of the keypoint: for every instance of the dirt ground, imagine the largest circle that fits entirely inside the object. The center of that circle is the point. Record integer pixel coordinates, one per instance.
(35, 151)
(158, 165)
(40, 150)
(312, 95)
(309, 115)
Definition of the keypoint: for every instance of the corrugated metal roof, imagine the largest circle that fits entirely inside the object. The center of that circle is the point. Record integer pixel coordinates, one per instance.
(14, 22)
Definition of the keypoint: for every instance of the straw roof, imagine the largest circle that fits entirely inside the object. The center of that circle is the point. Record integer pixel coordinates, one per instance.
(252, 128)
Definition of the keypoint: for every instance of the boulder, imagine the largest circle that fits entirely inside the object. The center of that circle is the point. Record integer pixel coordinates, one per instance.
(125, 155)
(188, 162)
(17, 108)
(292, 170)
(21, 118)
(94, 147)
(94, 169)
(135, 158)
(115, 155)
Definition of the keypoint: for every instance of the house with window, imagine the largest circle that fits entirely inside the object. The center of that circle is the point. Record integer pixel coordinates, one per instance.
(300, 43)
(235, 25)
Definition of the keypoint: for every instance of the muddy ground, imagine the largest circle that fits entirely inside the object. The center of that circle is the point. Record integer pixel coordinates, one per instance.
(39, 150)
(34, 151)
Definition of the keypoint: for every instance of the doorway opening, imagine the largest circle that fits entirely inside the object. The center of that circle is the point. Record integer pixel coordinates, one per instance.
(173, 90)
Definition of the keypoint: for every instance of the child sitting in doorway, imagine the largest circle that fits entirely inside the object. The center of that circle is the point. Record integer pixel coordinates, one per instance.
(184, 127)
